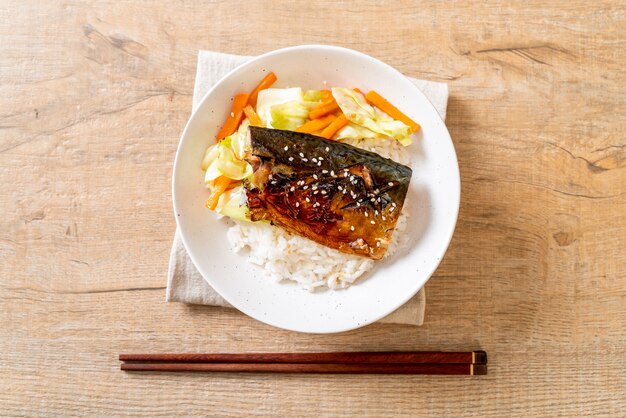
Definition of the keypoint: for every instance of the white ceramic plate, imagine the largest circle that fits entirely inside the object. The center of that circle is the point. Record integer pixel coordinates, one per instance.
(434, 198)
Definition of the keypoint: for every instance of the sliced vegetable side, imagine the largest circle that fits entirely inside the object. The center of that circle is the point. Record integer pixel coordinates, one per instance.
(338, 114)
(358, 111)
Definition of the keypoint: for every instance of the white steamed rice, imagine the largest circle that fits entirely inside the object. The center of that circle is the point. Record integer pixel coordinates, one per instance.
(286, 256)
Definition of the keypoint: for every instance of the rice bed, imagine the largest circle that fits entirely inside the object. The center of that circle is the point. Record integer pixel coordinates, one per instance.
(286, 256)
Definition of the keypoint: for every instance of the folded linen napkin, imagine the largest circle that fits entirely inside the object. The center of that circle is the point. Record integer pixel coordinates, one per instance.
(184, 282)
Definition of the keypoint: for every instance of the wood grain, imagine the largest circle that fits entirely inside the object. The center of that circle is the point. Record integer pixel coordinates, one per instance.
(94, 97)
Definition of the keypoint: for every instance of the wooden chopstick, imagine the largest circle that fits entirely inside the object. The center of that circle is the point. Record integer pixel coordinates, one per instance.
(393, 357)
(394, 362)
(332, 368)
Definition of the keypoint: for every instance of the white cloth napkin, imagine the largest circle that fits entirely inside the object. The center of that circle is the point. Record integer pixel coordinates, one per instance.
(184, 282)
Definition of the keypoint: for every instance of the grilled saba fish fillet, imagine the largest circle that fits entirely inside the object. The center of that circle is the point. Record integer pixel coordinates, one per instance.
(335, 194)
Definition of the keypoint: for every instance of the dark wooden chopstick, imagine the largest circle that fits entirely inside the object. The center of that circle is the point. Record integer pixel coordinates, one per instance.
(394, 362)
(332, 368)
(393, 357)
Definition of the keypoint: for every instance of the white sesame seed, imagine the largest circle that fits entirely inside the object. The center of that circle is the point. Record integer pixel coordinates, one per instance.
(351, 227)
(301, 155)
(340, 188)
(384, 219)
(392, 209)
(327, 149)
(305, 160)
(344, 191)
(372, 222)
(314, 187)
(290, 158)
(323, 192)
(376, 191)
(393, 204)
(321, 158)
(269, 177)
(324, 171)
(315, 192)
(332, 173)
(376, 212)
(297, 204)
(286, 148)
(372, 199)
(292, 188)
(366, 214)
(390, 183)
(307, 199)
(377, 243)
(345, 174)
(305, 187)
(319, 164)
(314, 159)
(315, 176)
(358, 204)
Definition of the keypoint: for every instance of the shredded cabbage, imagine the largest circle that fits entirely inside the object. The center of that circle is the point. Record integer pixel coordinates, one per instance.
(286, 108)
(312, 96)
(354, 131)
(359, 112)
(233, 203)
(224, 163)
(290, 115)
(271, 97)
(238, 140)
(226, 159)
(209, 156)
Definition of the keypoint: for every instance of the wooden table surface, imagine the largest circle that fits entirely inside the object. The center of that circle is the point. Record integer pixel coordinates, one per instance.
(94, 98)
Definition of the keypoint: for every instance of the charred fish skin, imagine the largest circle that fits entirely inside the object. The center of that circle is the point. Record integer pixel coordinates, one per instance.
(333, 193)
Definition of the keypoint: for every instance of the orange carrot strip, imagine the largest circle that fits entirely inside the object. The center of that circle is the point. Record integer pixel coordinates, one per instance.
(267, 81)
(326, 95)
(236, 113)
(332, 129)
(255, 120)
(381, 103)
(220, 185)
(358, 91)
(316, 124)
(323, 109)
